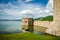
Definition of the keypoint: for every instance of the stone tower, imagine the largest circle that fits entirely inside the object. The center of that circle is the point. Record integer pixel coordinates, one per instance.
(27, 24)
(55, 26)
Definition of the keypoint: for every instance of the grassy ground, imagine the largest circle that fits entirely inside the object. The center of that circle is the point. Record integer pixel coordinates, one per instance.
(27, 36)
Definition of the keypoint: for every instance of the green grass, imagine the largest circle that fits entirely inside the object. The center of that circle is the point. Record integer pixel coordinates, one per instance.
(48, 18)
(27, 36)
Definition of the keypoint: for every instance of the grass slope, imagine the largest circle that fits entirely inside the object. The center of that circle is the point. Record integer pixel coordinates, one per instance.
(27, 36)
(48, 18)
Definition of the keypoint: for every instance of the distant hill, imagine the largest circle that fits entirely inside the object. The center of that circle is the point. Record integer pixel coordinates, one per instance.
(48, 18)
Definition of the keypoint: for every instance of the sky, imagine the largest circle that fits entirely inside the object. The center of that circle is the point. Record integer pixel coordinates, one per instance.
(18, 9)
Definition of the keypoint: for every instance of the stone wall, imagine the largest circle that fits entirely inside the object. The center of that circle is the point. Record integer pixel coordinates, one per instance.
(45, 24)
(54, 28)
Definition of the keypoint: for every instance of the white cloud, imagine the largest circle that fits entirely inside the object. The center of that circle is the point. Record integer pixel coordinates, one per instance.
(39, 10)
(34, 10)
(46, 11)
(29, 11)
(17, 9)
(28, 0)
(26, 11)
(50, 4)
(49, 7)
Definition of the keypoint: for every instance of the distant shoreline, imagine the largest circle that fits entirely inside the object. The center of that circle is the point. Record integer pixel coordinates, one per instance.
(10, 20)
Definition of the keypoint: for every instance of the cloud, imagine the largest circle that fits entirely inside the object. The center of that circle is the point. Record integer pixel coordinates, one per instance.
(49, 7)
(37, 12)
(28, 0)
(31, 10)
(41, 11)
(50, 4)
(26, 11)
(18, 9)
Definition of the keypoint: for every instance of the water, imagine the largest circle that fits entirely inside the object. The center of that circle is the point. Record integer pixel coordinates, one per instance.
(10, 26)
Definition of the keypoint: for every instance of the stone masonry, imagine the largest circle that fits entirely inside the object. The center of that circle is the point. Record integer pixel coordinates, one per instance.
(55, 26)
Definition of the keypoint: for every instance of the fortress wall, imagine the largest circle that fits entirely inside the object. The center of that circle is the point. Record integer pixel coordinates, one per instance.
(55, 27)
(57, 11)
(43, 23)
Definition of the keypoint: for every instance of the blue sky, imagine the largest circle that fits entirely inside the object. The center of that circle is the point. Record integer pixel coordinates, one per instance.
(17, 9)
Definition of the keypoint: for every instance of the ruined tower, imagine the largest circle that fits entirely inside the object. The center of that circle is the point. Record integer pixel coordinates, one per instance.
(27, 24)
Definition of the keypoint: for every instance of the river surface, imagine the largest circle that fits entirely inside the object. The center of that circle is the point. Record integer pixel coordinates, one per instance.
(10, 26)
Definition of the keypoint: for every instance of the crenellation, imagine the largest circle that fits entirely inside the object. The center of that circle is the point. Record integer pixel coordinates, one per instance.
(43, 23)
